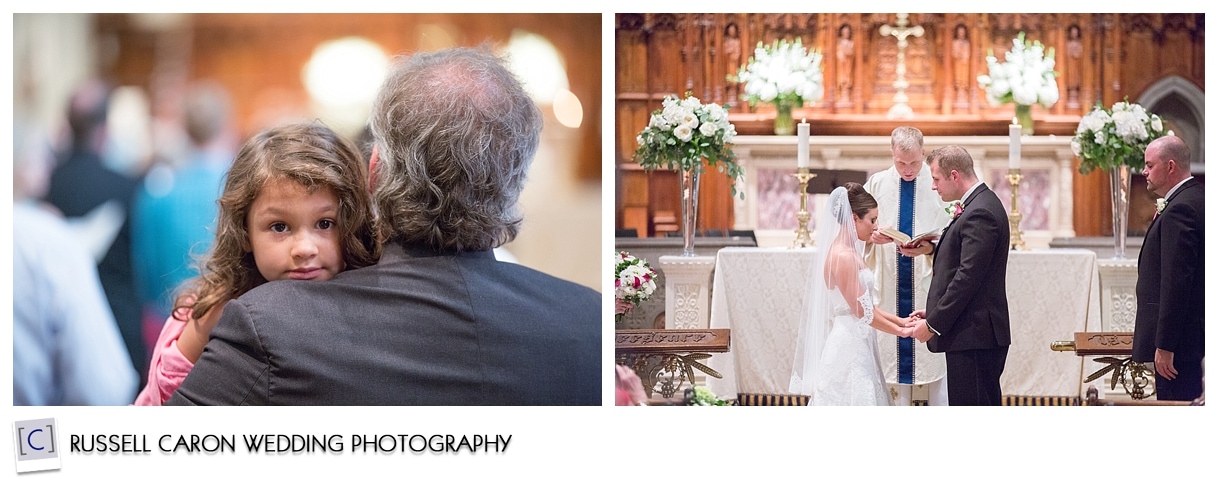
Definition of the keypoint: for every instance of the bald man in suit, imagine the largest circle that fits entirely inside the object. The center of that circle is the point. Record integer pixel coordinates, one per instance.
(1170, 325)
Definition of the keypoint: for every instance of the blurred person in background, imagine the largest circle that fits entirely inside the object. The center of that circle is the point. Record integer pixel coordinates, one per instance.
(175, 207)
(66, 346)
(85, 190)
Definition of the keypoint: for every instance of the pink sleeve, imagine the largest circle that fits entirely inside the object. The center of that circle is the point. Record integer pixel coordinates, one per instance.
(169, 367)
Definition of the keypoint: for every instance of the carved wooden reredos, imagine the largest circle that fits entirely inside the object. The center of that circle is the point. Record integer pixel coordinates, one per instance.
(1100, 58)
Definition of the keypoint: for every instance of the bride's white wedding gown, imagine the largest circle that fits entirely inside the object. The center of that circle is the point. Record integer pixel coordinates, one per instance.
(850, 371)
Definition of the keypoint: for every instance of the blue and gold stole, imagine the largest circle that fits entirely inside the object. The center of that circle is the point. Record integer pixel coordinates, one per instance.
(905, 283)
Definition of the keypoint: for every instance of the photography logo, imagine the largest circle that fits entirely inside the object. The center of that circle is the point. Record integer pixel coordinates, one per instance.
(37, 447)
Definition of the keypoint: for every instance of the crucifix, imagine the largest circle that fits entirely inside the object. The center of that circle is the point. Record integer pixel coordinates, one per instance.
(900, 109)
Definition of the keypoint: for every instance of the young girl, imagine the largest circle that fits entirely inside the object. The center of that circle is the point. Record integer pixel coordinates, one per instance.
(295, 206)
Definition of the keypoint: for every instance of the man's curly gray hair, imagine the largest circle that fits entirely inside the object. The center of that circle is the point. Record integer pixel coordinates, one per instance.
(455, 134)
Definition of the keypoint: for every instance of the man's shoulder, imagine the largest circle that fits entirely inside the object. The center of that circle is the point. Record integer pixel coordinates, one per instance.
(989, 197)
(879, 178)
(523, 274)
(292, 295)
(1193, 192)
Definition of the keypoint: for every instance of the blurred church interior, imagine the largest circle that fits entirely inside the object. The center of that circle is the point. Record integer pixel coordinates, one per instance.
(288, 67)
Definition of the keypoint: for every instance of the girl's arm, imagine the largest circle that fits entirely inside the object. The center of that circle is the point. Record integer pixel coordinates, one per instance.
(195, 335)
(168, 366)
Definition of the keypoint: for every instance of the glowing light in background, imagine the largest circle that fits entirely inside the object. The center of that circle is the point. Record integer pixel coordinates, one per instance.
(128, 144)
(342, 78)
(567, 109)
(538, 64)
(345, 72)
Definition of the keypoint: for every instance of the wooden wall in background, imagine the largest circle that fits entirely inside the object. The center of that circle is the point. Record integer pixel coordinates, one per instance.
(1100, 57)
(259, 57)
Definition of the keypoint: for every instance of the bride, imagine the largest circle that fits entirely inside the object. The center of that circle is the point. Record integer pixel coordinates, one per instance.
(836, 362)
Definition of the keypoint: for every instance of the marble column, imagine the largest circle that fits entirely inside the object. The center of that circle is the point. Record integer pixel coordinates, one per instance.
(687, 291)
(687, 300)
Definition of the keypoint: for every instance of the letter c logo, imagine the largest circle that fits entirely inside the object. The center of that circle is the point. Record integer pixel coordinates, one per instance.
(31, 435)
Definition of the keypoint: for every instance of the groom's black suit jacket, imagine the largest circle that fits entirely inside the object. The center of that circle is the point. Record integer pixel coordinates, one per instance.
(1171, 280)
(967, 302)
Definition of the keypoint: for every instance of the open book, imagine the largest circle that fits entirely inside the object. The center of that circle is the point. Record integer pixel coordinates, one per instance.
(902, 239)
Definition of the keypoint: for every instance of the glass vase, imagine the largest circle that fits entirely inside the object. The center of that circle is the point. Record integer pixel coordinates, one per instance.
(783, 123)
(1120, 179)
(1023, 115)
(689, 208)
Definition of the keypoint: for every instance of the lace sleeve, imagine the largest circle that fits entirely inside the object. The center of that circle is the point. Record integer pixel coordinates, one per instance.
(867, 299)
(868, 305)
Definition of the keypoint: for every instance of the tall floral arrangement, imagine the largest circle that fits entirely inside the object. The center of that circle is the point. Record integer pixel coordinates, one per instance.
(782, 73)
(633, 282)
(1107, 138)
(1026, 78)
(685, 131)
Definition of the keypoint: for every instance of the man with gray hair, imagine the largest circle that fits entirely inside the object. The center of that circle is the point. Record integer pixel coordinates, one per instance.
(909, 204)
(438, 321)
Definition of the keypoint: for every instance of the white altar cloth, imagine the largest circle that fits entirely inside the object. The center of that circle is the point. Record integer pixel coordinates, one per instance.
(758, 294)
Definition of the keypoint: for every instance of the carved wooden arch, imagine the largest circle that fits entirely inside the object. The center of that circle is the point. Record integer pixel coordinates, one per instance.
(1177, 88)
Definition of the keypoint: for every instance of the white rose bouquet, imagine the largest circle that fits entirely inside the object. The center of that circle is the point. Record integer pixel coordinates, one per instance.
(1109, 138)
(783, 73)
(633, 282)
(1026, 78)
(684, 132)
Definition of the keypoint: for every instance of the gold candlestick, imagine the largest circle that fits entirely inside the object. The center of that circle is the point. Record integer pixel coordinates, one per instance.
(1015, 218)
(803, 238)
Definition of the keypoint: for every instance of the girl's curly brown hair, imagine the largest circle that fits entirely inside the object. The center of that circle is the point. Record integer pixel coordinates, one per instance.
(310, 154)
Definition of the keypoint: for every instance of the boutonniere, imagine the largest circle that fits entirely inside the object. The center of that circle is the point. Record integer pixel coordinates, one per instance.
(954, 210)
(1160, 204)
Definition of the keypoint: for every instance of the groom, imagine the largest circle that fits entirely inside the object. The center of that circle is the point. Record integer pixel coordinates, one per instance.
(966, 315)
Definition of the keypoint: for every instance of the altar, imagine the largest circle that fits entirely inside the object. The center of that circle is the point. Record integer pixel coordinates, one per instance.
(759, 294)
(1046, 198)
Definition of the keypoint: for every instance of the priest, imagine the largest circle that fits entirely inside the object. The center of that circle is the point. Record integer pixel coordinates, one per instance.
(906, 203)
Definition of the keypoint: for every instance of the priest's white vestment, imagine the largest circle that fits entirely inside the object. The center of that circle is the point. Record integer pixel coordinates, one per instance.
(911, 363)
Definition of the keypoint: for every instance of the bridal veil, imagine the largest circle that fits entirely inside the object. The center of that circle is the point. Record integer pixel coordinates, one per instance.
(836, 241)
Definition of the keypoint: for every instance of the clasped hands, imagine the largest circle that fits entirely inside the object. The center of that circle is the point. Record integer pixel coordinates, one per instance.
(915, 326)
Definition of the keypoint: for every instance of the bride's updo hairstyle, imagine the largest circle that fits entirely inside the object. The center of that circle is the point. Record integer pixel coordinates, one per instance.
(861, 202)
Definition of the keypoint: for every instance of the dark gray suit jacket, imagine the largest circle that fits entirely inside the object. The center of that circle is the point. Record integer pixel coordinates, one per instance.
(419, 328)
(1171, 280)
(967, 302)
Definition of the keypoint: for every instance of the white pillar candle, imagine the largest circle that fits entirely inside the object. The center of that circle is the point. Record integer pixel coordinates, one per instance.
(802, 157)
(1015, 132)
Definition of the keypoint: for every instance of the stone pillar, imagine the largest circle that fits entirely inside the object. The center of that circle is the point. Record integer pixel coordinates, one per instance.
(1118, 295)
(687, 291)
(1118, 312)
(687, 297)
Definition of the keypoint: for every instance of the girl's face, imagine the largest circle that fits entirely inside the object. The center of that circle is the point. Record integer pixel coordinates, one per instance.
(293, 233)
(866, 225)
